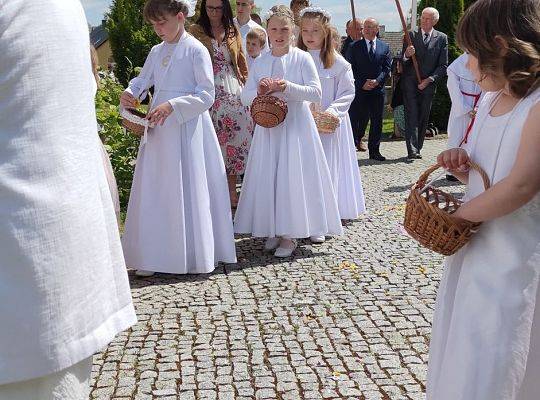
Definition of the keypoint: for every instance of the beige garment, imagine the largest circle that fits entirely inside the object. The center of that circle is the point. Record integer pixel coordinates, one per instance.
(72, 383)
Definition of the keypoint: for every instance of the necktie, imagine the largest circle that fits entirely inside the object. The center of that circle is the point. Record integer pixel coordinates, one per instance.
(371, 49)
(426, 38)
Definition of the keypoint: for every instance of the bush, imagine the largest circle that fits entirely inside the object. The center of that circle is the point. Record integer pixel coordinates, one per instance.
(121, 146)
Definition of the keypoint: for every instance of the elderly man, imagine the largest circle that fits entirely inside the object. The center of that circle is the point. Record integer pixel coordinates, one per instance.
(371, 62)
(244, 23)
(431, 49)
(354, 32)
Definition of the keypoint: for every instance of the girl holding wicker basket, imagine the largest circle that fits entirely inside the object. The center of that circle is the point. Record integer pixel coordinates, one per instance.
(287, 192)
(485, 342)
(179, 217)
(337, 84)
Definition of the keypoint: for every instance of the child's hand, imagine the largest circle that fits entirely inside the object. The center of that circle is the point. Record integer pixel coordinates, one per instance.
(279, 85)
(159, 114)
(264, 86)
(456, 160)
(128, 101)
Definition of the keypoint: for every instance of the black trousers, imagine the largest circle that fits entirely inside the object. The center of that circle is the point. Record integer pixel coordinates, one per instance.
(417, 104)
(367, 107)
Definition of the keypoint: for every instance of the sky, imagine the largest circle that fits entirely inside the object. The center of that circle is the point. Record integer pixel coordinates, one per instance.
(384, 10)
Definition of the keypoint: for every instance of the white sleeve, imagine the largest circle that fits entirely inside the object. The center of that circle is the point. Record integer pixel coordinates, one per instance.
(310, 89)
(458, 102)
(249, 91)
(139, 85)
(345, 93)
(190, 106)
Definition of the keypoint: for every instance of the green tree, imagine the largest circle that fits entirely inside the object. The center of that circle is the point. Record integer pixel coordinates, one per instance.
(130, 37)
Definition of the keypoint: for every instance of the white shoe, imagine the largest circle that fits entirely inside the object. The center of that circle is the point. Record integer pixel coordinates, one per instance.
(286, 248)
(142, 272)
(317, 239)
(271, 243)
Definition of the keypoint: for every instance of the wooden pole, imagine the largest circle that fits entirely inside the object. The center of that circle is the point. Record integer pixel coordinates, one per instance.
(353, 16)
(408, 40)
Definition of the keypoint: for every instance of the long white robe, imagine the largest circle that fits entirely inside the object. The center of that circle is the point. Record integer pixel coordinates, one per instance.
(64, 292)
(287, 188)
(179, 216)
(337, 83)
(485, 343)
(460, 81)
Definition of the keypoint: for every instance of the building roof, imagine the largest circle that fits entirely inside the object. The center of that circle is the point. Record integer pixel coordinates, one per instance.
(98, 35)
(394, 40)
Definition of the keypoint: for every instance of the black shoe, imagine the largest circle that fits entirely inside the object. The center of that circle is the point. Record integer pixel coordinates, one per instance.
(411, 156)
(377, 157)
(418, 156)
(451, 178)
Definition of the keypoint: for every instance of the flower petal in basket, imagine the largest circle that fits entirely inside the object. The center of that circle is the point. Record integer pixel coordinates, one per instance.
(326, 122)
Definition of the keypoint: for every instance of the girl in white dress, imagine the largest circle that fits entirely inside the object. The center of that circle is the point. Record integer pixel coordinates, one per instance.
(485, 342)
(287, 191)
(179, 218)
(337, 83)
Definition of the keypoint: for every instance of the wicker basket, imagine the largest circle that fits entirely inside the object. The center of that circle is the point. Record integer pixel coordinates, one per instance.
(429, 220)
(134, 121)
(268, 111)
(326, 122)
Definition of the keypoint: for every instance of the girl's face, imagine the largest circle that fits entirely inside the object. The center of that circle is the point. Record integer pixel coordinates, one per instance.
(279, 32)
(312, 33)
(169, 27)
(214, 9)
(486, 82)
(253, 47)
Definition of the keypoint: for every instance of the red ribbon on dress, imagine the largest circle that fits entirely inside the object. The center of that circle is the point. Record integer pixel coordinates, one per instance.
(473, 117)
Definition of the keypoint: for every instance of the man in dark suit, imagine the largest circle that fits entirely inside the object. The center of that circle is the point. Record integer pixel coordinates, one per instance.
(371, 62)
(431, 49)
(354, 32)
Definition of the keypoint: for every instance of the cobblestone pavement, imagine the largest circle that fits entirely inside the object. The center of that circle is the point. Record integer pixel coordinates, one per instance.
(348, 319)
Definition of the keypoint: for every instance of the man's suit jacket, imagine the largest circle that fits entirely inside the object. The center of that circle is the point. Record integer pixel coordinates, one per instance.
(377, 67)
(432, 59)
(345, 45)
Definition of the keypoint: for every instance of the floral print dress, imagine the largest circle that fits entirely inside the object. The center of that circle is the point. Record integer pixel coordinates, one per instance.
(232, 121)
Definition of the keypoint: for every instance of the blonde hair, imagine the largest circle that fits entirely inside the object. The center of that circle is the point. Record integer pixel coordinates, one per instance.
(95, 63)
(257, 34)
(281, 12)
(328, 53)
(336, 38)
(505, 38)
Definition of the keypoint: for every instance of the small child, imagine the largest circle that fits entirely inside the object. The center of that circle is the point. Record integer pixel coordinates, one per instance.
(485, 342)
(255, 42)
(337, 83)
(179, 217)
(287, 192)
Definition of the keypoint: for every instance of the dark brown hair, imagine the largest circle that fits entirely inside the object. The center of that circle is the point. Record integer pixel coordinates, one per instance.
(505, 38)
(226, 19)
(155, 10)
(328, 52)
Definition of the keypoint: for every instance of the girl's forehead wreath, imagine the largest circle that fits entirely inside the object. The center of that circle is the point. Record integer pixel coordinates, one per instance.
(271, 13)
(317, 11)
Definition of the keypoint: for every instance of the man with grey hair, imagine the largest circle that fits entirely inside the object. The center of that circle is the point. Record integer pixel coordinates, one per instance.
(370, 59)
(431, 49)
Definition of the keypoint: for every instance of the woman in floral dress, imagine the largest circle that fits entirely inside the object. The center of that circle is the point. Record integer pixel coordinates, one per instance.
(216, 30)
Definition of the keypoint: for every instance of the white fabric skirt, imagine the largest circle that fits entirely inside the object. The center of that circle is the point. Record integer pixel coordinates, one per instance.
(179, 217)
(287, 188)
(72, 383)
(349, 191)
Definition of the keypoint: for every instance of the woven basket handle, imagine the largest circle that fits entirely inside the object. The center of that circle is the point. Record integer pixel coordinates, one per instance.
(424, 177)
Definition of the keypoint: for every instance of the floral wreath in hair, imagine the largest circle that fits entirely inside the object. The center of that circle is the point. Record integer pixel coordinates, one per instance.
(190, 4)
(270, 13)
(316, 10)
